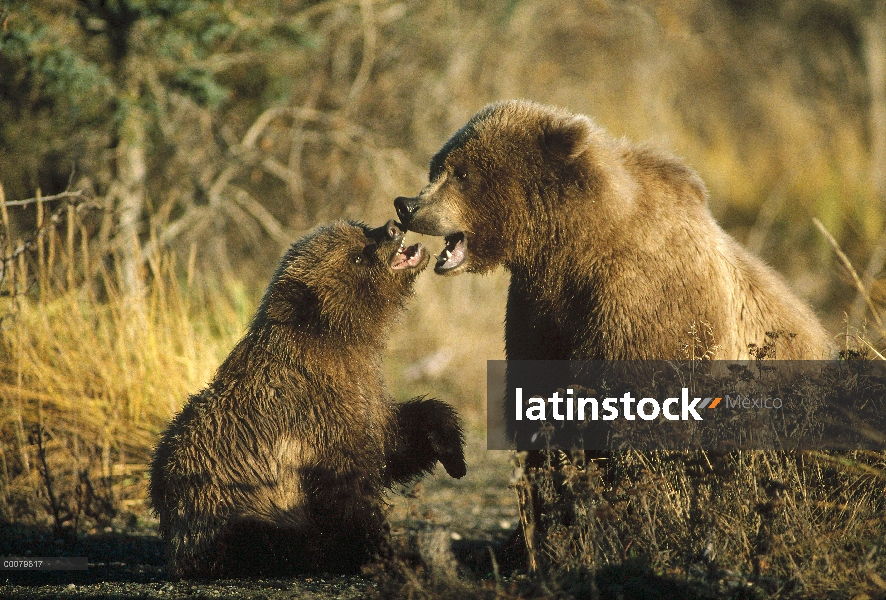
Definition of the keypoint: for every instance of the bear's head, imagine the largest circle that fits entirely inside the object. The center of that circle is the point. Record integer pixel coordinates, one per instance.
(499, 178)
(344, 278)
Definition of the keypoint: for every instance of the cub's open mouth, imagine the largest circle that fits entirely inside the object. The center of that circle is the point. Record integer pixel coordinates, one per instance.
(408, 257)
(454, 254)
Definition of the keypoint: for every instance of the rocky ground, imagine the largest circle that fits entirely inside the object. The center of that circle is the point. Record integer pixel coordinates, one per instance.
(477, 512)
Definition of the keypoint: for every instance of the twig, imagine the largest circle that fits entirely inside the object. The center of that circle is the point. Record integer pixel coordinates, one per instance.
(72, 199)
(260, 124)
(855, 278)
(54, 219)
(69, 194)
(269, 223)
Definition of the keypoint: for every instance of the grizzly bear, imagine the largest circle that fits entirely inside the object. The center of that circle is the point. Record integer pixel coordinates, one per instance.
(281, 463)
(612, 251)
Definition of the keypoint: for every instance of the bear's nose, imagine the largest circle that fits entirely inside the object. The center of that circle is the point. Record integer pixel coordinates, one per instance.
(405, 208)
(392, 231)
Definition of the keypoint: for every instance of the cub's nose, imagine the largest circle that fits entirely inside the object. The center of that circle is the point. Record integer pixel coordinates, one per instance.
(392, 231)
(406, 207)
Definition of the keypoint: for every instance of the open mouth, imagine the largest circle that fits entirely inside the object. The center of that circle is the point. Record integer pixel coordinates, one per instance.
(454, 254)
(408, 257)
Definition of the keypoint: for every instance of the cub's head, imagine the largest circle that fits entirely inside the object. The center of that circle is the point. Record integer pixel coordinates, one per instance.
(496, 179)
(343, 278)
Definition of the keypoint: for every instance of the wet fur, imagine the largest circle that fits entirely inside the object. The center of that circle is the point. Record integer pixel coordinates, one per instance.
(281, 463)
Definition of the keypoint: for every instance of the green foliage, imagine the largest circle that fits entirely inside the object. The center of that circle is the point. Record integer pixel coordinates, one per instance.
(47, 70)
(81, 66)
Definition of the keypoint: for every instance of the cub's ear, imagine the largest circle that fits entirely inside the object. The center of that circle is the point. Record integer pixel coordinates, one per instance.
(567, 137)
(291, 302)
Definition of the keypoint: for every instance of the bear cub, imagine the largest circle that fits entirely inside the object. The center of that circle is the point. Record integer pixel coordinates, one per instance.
(281, 463)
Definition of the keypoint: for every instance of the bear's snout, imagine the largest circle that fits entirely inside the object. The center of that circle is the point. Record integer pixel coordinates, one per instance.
(405, 207)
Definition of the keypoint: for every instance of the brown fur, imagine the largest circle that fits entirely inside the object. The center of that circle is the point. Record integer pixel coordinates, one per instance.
(281, 462)
(612, 250)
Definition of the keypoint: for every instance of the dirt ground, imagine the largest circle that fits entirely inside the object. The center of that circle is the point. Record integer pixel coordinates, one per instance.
(479, 511)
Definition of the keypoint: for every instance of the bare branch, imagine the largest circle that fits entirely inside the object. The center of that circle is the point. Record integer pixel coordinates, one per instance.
(61, 196)
(222, 62)
(221, 182)
(336, 128)
(186, 222)
(79, 204)
(260, 124)
(274, 167)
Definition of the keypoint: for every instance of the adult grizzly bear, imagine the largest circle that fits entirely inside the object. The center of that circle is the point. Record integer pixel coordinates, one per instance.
(612, 251)
(280, 464)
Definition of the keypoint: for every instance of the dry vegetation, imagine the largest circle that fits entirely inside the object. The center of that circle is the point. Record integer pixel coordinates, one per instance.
(89, 376)
(749, 524)
(196, 162)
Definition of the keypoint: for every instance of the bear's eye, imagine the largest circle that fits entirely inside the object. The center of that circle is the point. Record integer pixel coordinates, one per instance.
(460, 173)
(357, 259)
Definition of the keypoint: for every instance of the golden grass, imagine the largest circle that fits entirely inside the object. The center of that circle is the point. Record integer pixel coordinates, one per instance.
(115, 370)
(98, 371)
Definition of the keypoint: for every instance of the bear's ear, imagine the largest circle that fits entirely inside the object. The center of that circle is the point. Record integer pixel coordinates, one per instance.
(567, 137)
(291, 302)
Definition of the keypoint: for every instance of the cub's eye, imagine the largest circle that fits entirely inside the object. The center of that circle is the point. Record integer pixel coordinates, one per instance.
(460, 173)
(357, 259)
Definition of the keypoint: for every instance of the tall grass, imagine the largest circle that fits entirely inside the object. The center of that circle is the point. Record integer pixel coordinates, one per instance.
(89, 375)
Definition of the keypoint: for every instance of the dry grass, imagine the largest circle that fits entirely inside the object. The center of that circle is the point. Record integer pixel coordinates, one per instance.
(770, 111)
(95, 374)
